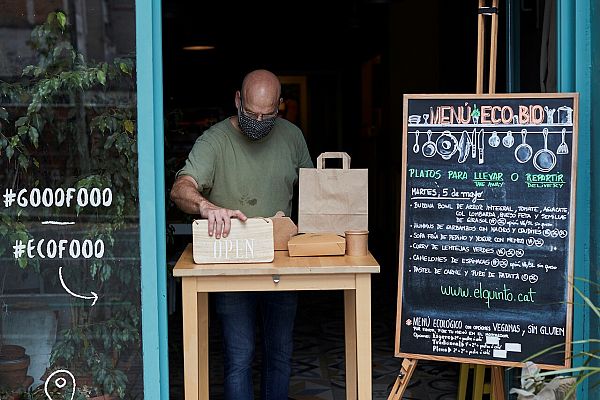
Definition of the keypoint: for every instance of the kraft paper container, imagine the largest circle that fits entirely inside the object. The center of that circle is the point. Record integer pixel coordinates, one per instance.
(317, 244)
(357, 243)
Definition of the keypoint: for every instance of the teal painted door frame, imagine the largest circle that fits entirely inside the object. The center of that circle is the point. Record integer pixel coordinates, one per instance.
(578, 29)
(152, 198)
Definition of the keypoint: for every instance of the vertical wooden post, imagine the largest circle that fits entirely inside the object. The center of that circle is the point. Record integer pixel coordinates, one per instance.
(493, 48)
(480, 39)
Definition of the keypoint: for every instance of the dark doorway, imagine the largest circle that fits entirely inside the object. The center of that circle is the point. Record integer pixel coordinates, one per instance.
(356, 59)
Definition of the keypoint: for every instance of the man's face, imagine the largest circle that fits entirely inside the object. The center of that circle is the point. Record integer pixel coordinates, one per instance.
(258, 105)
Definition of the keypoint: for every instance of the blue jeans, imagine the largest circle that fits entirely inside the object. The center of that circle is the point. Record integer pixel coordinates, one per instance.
(238, 313)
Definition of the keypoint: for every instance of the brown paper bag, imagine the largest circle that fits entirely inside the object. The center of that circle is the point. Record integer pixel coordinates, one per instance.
(333, 200)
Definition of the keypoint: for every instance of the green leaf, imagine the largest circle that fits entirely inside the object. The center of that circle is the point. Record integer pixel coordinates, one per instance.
(62, 19)
(128, 125)
(22, 262)
(124, 67)
(3, 114)
(34, 136)
(9, 151)
(21, 121)
(23, 130)
(101, 77)
(23, 161)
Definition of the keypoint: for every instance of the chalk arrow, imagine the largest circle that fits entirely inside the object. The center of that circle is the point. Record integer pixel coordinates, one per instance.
(62, 282)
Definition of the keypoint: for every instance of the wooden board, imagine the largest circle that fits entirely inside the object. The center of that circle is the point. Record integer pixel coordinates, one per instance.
(248, 242)
(487, 232)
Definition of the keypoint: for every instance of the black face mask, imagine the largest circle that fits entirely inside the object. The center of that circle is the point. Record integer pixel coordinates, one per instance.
(254, 128)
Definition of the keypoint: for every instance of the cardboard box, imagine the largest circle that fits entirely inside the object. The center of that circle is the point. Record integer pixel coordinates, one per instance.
(317, 244)
(283, 230)
(248, 242)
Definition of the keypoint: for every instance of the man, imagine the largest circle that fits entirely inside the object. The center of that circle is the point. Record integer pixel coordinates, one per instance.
(247, 166)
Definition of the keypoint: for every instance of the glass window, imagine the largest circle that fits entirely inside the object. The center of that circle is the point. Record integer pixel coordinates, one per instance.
(69, 220)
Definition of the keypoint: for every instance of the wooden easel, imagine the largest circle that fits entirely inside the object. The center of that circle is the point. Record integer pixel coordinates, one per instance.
(492, 11)
(409, 364)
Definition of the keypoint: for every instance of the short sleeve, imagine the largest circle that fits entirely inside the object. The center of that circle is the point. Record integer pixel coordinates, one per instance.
(304, 156)
(200, 165)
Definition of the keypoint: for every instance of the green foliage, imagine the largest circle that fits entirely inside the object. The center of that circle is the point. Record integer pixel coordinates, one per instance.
(58, 104)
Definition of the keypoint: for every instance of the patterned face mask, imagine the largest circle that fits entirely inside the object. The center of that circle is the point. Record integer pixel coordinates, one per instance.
(254, 128)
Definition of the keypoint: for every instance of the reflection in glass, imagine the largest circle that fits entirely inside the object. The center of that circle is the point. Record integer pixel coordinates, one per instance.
(69, 228)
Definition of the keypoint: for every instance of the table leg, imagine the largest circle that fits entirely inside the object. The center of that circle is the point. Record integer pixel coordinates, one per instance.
(350, 340)
(363, 336)
(190, 337)
(203, 317)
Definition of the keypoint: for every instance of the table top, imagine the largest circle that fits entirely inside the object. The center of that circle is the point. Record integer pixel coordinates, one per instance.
(282, 264)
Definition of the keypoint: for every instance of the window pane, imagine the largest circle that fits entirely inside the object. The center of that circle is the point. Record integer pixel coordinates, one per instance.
(69, 224)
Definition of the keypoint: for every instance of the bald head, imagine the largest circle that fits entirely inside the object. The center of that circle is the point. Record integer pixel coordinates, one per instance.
(260, 92)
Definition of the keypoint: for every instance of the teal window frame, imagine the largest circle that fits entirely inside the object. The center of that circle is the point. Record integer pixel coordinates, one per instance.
(152, 198)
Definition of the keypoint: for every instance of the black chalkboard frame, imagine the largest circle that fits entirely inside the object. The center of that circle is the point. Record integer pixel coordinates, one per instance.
(398, 350)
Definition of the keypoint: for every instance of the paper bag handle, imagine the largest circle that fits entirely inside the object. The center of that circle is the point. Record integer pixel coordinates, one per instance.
(333, 154)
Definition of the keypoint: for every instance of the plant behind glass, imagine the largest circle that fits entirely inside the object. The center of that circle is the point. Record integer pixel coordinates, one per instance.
(68, 114)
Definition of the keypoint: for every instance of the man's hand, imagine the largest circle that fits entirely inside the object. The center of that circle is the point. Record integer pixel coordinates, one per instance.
(187, 197)
(219, 219)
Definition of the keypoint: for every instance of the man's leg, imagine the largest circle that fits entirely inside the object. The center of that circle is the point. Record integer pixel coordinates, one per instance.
(237, 312)
(278, 311)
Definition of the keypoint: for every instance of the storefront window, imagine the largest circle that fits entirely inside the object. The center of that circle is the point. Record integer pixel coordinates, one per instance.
(69, 221)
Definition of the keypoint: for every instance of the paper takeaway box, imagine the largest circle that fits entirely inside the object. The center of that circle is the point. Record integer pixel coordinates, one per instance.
(283, 230)
(317, 244)
(333, 200)
(247, 242)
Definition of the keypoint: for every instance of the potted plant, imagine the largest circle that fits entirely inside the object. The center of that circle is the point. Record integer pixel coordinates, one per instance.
(61, 103)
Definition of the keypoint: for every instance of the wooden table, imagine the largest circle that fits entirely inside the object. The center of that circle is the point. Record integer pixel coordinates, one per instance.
(350, 274)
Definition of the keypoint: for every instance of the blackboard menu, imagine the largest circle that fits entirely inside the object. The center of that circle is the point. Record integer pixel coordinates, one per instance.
(487, 225)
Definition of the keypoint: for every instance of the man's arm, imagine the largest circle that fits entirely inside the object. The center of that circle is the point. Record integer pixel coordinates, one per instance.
(187, 197)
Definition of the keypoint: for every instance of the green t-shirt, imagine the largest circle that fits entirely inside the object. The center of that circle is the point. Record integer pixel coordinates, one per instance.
(256, 177)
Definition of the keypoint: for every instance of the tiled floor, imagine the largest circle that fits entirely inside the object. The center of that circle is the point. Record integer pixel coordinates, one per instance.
(318, 362)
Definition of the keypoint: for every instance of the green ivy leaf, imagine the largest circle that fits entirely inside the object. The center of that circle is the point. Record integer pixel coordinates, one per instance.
(23, 130)
(124, 67)
(34, 136)
(23, 161)
(9, 151)
(128, 125)
(62, 20)
(3, 114)
(21, 121)
(22, 262)
(101, 77)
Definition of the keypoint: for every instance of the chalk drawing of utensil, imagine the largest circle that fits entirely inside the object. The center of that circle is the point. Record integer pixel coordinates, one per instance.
(474, 144)
(565, 115)
(481, 146)
(428, 148)
(508, 140)
(494, 140)
(414, 119)
(416, 146)
(562, 147)
(544, 160)
(464, 146)
(446, 145)
(549, 114)
(523, 152)
(425, 118)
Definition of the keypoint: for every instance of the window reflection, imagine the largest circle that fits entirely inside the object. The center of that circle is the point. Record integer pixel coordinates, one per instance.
(69, 229)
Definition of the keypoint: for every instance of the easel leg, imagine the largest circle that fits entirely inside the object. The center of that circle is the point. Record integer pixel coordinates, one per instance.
(406, 371)
(498, 383)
